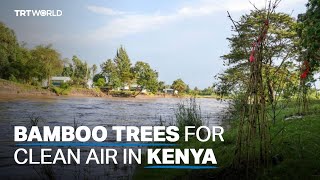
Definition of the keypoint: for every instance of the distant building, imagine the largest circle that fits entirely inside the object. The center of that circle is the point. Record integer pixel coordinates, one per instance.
(170, 91)
(133, 87)
(56, 81)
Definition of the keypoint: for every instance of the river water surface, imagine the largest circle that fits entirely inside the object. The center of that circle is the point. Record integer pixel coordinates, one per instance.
(108, 112)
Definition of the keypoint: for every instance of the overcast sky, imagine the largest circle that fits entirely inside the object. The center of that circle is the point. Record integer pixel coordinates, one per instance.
(180, 39)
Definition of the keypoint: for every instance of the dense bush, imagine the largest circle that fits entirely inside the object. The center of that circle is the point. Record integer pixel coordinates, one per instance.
(122, 93)
(188, 114)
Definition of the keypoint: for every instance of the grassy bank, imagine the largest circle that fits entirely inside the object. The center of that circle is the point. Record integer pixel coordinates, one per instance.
(14, 88)
(295, 146)
(10, 87)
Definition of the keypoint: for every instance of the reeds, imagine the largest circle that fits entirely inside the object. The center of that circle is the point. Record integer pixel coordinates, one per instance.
(188, 114)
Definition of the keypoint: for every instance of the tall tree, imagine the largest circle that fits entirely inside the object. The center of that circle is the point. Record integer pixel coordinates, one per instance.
(8, 48)
(80, 71)
(49, 60)
(94, 69)
(67, 70)
(179, 85)
(123, 67)
(311, 33)
(25, 68)
(280, 51)
(161, 86)
(109, 70)
(146, 77)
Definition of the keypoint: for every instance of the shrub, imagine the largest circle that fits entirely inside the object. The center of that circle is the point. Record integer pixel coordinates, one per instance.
(64, 89)
(122, 93)
(64, 85)
(188, 114)
(100, 82)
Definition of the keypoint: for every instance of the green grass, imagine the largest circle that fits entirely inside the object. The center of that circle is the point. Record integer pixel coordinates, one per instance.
(295, 151)
(297, 142)
(61, 91)
(16, 87)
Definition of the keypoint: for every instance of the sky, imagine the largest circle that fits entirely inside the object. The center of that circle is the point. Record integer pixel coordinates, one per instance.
(178, 38)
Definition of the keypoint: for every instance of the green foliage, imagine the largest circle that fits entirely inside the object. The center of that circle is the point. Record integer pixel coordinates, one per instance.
(145, 76)
(280, 50)
(97, 76)
(100, 83)
(294, 143)
(161, 86)
(206, 91)
(123, 65)
(47, 61)
(20, 64)
(8, 47)
(179, 85)
(188, 89)
(188, 114)
(80, 73)
(64, 89)
(311, 33)
(67, 70)
(64, 85)
(94, 69)
(120, 73)
(109, 69)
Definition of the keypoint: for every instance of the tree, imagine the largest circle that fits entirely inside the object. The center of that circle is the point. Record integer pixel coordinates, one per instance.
(161, 86)
(80, 71)
(97, 76)
(280, 51)
(179, 85)
(262, 55)
(17, 63)
(100, 82)
(123, 67)
(119, 72)
(25, 69)
(94, 70)
(48, 62)
(8, 48)
(145, 76)
(207, 91)
(67, 70)
(188, 89)
(311, 33)
(109, 70)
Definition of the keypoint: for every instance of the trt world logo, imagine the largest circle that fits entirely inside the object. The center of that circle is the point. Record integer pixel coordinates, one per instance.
(38, 12)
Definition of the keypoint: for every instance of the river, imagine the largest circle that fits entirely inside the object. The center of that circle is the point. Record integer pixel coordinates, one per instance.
(71, 111)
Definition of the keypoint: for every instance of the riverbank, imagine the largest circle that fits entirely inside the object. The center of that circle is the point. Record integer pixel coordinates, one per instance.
(14, 89)
(18, 89)
(294, 151)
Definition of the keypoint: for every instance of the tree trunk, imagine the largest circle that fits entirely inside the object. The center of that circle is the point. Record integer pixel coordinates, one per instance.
(138, 93)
